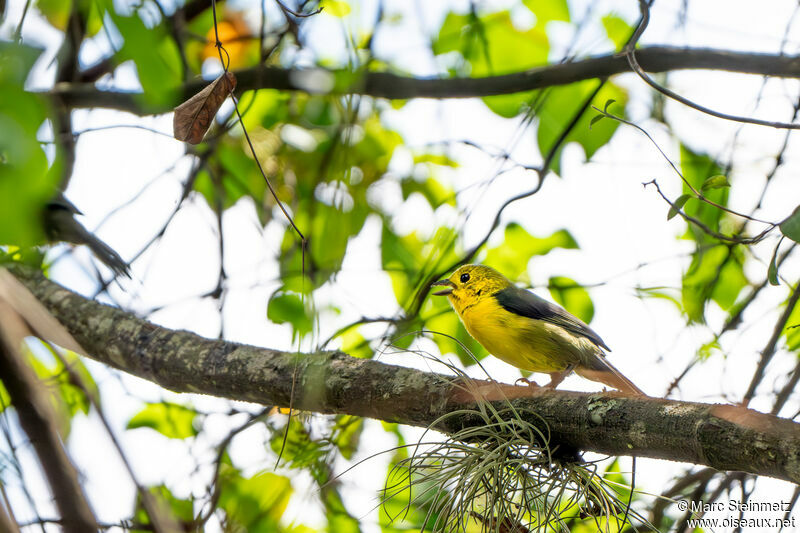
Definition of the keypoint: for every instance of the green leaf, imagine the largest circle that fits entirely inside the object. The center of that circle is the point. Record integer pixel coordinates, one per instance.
(265, 108)
(337, 8)
(617, 30)
(355, 344)
(347, 434)
(400, 512)
(434, 192)
(57, 13)
(32, 257)
(170, 419)
(5, 399)
(715, 273)
(696, 168)
(715, 182)
(790, 227)
(155, 55)
(658, 292)
(299, 449)
(572, 297)
(331, 230)
(772, 271)
(287, 307)
(400, 258)
(491, 45)
(436, 159)
(67, 396)
(26, 183)
(75, 395)
(255, 504)
(595, 120)
(707, 350)
(339, 520)
(238, 177)
(620, 481)
(676, 206)
(450, 335)
(455, 35)
(792, 330)
(548, 11)
(168, 505)
(558, 109)
(512, 256)
(508, 49)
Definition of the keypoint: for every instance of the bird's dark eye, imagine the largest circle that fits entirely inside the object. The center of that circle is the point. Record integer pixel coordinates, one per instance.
(464, 278)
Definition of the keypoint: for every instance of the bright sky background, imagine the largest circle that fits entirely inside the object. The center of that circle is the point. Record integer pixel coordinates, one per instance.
(624, 237)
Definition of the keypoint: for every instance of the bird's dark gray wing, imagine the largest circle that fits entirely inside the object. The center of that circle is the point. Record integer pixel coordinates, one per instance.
(527, 304)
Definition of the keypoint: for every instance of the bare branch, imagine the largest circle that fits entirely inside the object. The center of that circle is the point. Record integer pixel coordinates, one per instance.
(393, 86)
(38, 421)
(769, 349)
(631, 55)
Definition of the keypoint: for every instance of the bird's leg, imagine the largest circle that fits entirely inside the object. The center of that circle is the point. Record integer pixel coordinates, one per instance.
(557, 377)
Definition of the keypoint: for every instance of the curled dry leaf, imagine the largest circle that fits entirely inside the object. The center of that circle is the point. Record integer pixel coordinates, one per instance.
(193, 117)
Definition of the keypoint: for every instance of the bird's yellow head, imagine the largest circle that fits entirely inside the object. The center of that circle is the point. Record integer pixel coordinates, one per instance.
(471, 283)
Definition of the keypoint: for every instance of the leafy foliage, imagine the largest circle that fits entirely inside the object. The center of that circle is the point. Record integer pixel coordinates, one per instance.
(790, 227)
(289, 308)
(168, 505)
(255, 503)
(27, 181)
(572, 297)
(716, 272)
(519, 247)
(341, 166)
(562, 105)
(69, 396)
(171, 420)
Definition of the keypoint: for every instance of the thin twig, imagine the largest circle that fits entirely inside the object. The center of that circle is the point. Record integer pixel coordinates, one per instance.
(8, 521)
(705, 229)
(630, 54)
(697, 194)
(17, 36)
(203, 517)
(769, 349)
(786, 390)
(294, 13)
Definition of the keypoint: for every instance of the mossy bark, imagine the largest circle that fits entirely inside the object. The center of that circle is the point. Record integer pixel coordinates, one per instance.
(725, 437)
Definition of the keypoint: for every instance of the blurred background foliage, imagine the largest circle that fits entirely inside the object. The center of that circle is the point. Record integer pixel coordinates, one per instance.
(329, 158)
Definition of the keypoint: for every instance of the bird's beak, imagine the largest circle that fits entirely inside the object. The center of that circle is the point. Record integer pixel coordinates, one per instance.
(446, 283)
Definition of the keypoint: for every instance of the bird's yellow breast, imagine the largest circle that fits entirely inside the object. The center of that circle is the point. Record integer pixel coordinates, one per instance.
(524, 342)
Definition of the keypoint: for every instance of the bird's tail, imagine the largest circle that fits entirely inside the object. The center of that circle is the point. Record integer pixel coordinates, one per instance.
(108, 256)
(61, 225)
(77, 234)
(604, 372)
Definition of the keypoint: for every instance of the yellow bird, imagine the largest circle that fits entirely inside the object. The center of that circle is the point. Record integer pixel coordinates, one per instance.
(526, 331)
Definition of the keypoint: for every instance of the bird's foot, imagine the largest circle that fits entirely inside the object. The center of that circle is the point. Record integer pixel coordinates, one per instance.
(527, 382)
(557, 377)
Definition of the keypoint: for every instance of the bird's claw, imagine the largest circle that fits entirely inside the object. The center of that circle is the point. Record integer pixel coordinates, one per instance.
(527, 382)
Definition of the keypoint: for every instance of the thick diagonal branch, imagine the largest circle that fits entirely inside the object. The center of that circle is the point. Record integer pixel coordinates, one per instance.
(38, 421)
(393, 86)
(724, 437)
